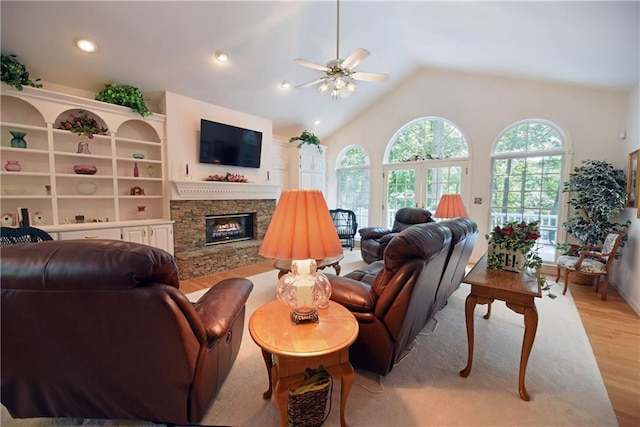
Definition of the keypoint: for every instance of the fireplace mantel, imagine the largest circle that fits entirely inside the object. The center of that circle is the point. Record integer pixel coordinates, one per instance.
(215, 190)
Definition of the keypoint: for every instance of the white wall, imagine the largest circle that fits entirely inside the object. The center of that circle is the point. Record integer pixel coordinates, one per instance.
(627, 275)
(183, 133)
(482, 107)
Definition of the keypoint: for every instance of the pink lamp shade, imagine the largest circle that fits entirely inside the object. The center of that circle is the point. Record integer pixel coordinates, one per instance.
(451, 206)
(301, 228)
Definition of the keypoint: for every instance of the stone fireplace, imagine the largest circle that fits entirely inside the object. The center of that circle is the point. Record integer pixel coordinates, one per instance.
(201, 202)
(221, 229)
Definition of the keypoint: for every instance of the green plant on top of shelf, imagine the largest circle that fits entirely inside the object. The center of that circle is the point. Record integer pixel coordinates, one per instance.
(15, 74)
(82, 124)
(307, 138)
(126, 95)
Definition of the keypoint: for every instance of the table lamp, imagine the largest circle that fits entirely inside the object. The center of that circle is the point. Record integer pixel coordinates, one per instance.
(301, 230)
(451, 206)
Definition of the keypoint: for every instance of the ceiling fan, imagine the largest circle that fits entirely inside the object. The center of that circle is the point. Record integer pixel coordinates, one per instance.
(338, 73)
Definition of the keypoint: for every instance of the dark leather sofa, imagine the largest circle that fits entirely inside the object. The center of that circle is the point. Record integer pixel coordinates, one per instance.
(99, 329)
(394, 299)
(374, 240)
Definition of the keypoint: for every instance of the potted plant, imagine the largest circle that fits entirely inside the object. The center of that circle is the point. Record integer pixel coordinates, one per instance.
(512, 248)
(307, 138)
(126, 95)
(15, 74)
(597, 192)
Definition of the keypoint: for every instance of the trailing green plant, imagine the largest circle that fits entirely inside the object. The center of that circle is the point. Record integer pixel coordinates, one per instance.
(126, 95)
(597, 192)
(307, 138)
(15, 74)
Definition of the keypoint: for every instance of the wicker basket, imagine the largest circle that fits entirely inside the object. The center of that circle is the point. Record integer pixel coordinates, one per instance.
(510, 260)
(307, 404)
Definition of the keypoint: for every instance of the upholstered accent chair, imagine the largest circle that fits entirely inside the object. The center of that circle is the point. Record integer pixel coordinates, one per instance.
(590, 260)
(346, 226)
(12, 236)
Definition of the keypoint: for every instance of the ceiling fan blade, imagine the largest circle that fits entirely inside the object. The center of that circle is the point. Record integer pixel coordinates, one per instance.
(370, 77)
(311, 83)
(309, 64)
(355, 58)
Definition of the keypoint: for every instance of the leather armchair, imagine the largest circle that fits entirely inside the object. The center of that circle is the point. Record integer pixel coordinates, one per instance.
(99, 329)
(464, 233)
(393, 299)
(374, 240)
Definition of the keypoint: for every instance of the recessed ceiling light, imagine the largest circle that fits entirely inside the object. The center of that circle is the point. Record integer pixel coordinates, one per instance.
(86, 45)
(316, 122)
(286, 84)
(222, 56)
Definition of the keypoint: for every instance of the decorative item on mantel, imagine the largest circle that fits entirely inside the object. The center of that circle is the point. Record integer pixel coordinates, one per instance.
(512, 248)
(229, 177)
(18, 139)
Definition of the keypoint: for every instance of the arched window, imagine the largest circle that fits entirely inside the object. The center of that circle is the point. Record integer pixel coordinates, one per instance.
(353, 182)
(426, 158)
(526, 179)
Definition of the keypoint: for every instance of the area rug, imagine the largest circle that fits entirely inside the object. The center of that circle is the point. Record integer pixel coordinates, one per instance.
(425, 388)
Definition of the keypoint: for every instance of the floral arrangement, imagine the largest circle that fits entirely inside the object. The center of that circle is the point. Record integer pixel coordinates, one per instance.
(229, 177)
(82, 124)
(518, 236)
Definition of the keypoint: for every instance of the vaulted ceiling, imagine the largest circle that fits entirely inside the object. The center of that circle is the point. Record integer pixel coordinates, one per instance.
(170, 45)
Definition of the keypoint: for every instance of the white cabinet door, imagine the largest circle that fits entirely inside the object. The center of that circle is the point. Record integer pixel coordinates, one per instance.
(161, 236)
(137, 234)
(312, 165)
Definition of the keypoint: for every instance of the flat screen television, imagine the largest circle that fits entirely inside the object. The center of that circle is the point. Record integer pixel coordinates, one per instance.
(222, 144)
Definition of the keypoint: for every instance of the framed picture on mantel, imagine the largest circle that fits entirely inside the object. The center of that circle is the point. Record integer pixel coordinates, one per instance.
(633, 178)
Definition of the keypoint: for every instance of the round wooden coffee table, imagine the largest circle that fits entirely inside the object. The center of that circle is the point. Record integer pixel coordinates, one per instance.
(284, 265)
(289, 349)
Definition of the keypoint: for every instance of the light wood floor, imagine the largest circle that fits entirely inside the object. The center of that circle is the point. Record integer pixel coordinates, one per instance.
(612, 326)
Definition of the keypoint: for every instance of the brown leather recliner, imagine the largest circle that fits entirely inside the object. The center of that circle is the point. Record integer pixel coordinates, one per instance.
(394, 299)
(99, 329)
(464, 233)
(374, 240)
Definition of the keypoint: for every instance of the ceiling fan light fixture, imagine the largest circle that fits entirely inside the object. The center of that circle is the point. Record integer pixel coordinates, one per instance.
(285, 84)
(339, 73)
(324, 87)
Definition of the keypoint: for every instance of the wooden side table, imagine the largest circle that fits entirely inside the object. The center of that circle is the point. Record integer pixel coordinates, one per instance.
(518, 291)
(289, 349)
(285, 265)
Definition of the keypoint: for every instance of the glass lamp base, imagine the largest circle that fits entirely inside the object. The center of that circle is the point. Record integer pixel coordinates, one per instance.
(309, 317)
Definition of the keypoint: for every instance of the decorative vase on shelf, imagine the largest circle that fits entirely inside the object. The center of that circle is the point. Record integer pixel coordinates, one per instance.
(18, 139)
(13, 166)
(83, 147)
(141, 213)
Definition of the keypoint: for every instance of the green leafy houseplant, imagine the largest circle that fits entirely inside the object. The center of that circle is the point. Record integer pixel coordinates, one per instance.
(597, 192)
(126, 95)
(15, 74)
(307, 138)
